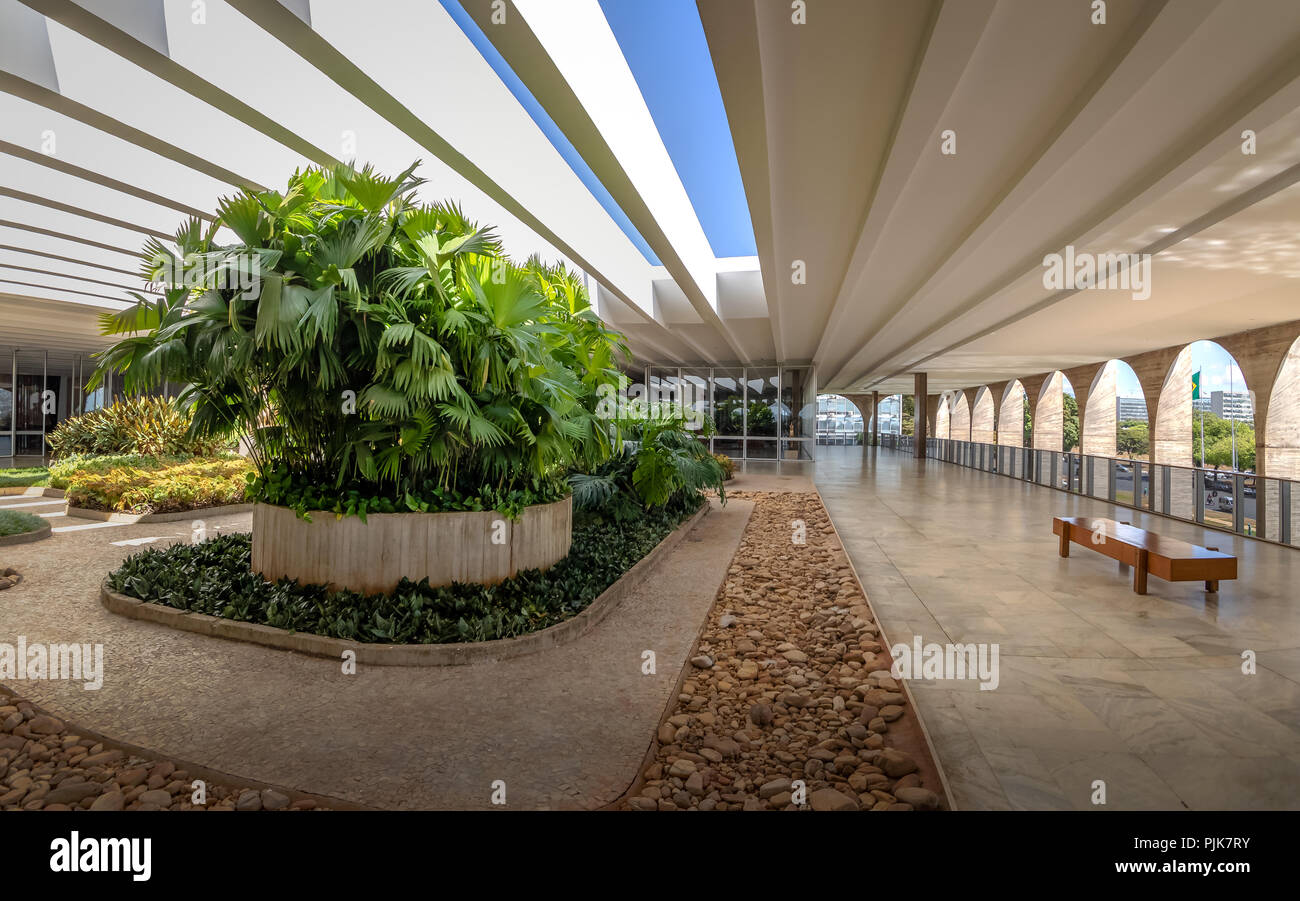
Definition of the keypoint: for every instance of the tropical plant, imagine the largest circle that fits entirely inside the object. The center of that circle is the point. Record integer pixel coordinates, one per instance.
(382, 346)
(191, 485)
(136, 425)
(663, 465)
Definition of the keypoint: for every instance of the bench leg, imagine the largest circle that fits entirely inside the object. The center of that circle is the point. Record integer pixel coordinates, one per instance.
(1065, 539)
(1212, 586)
(1140, 573)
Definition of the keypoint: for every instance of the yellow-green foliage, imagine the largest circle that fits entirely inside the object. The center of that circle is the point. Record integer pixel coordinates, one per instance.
(150, 426)
(728, 466)
(161, 489)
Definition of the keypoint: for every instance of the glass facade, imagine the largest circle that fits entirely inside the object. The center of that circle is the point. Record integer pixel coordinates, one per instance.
(758, 412)
(838, 420)
(38, 390)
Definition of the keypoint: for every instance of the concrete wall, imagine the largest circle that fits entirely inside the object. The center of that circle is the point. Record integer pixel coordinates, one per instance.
(959, 421)
(983, 417)
(1011, 415)
(1049, 420)
(1097, 413)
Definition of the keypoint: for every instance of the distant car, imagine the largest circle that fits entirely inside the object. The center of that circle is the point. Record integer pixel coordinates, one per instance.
(1224, 503)
(1123, 467)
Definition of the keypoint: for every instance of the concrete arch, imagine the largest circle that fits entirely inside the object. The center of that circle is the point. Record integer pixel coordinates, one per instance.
(1100, 413)
(1011, 415)
(942, 418)
(1171, 429)
(1281, 427)
(1049, 413)
(959, 417)
(983, 417)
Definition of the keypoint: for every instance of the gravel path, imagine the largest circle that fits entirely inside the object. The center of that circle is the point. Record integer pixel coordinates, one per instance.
(789, 703)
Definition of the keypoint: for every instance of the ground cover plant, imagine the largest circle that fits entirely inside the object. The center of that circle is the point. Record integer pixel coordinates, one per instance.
(187, 485)
(214, 577)
(16, 522)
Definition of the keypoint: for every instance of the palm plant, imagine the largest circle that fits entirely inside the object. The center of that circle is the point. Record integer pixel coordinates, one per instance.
(383, 343)
(662, 465)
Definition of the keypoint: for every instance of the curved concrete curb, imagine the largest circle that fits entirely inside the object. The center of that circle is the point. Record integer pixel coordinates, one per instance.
(196, 771)
(25, 537)
(30, 491)
(405, 654)
(201, 512)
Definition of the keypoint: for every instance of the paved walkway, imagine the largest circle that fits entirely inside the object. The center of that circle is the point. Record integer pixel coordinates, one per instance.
(565, 728)
(1145, 693)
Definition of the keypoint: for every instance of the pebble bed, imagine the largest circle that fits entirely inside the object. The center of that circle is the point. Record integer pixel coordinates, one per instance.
(790, 685)
(44, 765)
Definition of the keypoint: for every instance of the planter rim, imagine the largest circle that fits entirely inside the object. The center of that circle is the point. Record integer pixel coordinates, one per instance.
(457, 654)
(331, 513)
(24, 537)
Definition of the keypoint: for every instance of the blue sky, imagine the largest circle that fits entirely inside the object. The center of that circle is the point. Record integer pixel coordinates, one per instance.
(664, 44)
(552, 131)
(665, 48)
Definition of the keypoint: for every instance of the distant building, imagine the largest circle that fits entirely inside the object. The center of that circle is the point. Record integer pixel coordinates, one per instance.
(1232, 405)
(1201, 405)
(1130, 408)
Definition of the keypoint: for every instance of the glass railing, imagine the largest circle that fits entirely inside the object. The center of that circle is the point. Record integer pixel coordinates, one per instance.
(1238, 502)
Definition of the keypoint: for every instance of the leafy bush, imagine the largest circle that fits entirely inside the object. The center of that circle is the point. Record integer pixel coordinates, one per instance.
(728, 466)
(664, 466)
(16, 522)
(215, 577)
(383, 346)
(64, 469)
(167, 489)
(151, 426)
(23, 476)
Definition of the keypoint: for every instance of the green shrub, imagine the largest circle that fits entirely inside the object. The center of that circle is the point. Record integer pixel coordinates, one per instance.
(191, 485)
(662, 466)
(16, 522)
(63, 469)
(384, 345)
(728, 466)
(149, 426)
(215, 577)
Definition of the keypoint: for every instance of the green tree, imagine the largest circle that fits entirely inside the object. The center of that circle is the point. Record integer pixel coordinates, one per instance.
(1134, 438)
(909, 415)
(1218, 442)
(1070, 421)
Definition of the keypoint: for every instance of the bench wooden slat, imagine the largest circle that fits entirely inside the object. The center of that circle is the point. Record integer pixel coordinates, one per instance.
(1148, 553)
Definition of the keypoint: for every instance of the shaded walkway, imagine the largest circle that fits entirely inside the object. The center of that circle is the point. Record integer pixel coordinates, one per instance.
(1097, 683)
(568, 727)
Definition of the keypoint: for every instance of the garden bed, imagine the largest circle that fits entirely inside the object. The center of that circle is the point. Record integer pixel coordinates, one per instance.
(174, 516)
(17, 527)
(184, 585)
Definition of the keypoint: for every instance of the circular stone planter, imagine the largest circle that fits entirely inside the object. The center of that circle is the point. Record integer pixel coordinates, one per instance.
(406, 654)
(375, 555)
(24, 537)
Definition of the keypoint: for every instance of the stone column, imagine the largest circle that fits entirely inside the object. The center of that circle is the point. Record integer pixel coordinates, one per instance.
(1011, 414)
(875, 418)
(983, 415)
(1048, 414)
(921, 422)
(959, 417)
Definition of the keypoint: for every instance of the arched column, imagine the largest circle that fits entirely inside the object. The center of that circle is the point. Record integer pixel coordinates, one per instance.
(959, 421)
(1098, 416)
(942, 416)
(983, 416)
(1049, 413)
(1011, 414)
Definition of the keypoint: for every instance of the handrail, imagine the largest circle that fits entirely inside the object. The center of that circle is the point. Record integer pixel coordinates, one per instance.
(1243, 503)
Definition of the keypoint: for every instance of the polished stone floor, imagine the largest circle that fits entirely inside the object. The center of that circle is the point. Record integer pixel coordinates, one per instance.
(1144, 694)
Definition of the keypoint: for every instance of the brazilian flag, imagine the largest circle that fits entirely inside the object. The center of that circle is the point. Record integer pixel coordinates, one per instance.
(1196, 385)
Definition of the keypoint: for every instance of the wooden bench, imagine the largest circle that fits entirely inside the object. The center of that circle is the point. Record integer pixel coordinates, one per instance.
(1147, 552)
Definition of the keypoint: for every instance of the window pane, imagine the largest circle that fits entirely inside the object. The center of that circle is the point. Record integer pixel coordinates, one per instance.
(761, 402)
(728, 402)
